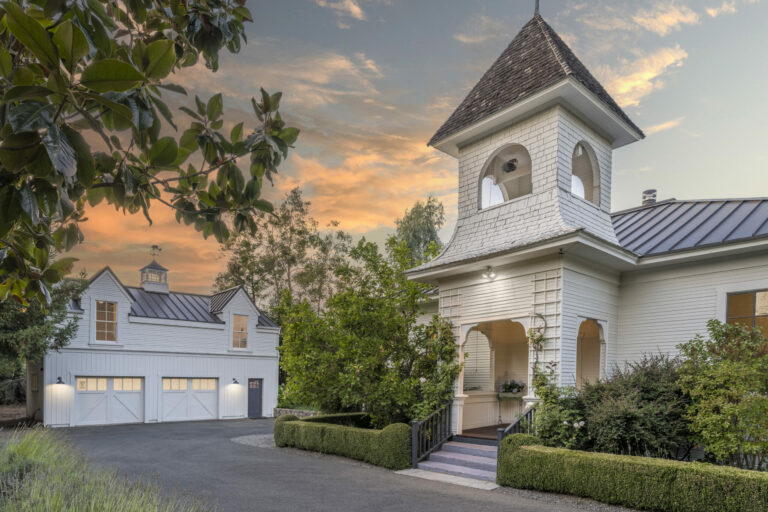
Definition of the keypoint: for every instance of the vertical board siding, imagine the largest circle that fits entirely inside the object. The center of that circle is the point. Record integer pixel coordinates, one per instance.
(660, 309)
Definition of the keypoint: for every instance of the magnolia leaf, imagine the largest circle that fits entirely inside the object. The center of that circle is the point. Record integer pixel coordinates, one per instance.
(31, 34)
(163, 152)
(72, 44)
(30, 116)
(24, 92)
(215, 106)
(111, 75)
(173, 88)
(160, 57)
(61, 152)
(86, 166)
(29, 203)
(6, 63)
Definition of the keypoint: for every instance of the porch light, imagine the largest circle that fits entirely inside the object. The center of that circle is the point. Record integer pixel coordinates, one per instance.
(234, 381)
(59, 381)
(489, 273)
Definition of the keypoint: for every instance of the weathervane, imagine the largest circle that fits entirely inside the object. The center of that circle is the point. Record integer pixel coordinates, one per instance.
(536, 11)
(155, 250)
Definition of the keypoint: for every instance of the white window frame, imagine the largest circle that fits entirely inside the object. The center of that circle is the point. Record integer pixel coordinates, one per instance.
(233, 332)
(96, 321)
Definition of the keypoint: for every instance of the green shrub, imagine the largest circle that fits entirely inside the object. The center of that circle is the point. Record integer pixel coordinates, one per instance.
(637, 482)
(39, 472)
(337, 435)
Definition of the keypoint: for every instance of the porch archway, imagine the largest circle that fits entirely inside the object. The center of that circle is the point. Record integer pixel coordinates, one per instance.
(588, 353)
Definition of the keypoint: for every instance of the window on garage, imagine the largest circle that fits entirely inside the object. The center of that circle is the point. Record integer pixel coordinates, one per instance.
(91, 384)
(126, 384)
(106, 321)
(239, 331)
(173, 384)
(749, 309)
(204, 384)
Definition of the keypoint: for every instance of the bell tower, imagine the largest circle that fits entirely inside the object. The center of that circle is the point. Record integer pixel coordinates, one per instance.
(534, 140)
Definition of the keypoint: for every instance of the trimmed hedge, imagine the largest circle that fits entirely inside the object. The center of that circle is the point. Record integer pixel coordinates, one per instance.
(637, 482)
(341, 434)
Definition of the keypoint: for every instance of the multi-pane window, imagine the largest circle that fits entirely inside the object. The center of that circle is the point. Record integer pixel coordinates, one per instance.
(749, 308)
(91, 384)
(173, 384)
(204, 384)
(239, 331)
(106, 321)
(126, 384)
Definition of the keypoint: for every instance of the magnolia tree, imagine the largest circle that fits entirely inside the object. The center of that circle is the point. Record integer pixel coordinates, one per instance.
(104, 67)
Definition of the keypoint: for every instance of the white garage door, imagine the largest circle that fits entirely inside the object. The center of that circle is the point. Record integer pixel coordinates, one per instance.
(105, 400)
(186, 399)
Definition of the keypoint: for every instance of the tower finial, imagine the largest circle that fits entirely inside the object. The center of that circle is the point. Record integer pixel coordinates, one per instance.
(536, 10)
(155, 250)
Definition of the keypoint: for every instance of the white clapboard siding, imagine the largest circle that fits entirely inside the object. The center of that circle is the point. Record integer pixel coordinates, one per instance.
(152, 367)
(659, 309)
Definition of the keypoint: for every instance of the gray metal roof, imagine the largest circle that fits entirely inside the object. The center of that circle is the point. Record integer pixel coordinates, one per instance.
(172, 306)
(154, 266)
(535, 59)
(221, 299)
(670, 226)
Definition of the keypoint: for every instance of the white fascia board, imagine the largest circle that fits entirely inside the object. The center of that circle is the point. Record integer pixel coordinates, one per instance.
(730, 249)
(174, 323)
(569, 93)
(270, 330)
(124, 351)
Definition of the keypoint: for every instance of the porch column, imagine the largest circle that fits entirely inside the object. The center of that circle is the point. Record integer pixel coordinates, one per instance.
(457, 408)
(603, 328)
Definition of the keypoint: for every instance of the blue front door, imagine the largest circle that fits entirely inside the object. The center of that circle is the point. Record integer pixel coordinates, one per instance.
(254, 398)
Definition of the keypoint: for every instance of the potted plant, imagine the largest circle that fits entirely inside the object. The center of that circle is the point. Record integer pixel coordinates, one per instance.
(511, 389)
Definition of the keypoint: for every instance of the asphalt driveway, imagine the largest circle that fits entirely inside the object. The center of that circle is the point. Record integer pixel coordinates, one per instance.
(200, 458)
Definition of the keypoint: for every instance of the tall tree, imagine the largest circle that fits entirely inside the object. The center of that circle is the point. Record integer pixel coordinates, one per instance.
(286, 252)
(103, 66)
(419, 226)
(27, 332)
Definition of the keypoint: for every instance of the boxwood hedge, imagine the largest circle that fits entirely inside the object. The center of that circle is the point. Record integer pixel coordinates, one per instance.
(637, 482)
(345, 435)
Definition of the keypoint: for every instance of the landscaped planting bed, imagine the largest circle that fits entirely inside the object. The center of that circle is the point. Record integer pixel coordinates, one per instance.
(637, 482)
(347, 435)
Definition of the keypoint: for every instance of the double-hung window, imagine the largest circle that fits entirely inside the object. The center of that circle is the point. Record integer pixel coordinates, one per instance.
(106, 321)
(239, 331)
(749, 308)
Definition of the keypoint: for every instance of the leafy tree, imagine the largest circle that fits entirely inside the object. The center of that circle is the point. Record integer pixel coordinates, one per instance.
(27, 332)
(102, 67)
(726, 377)
(286, 252)
(419, 226)
(367, 351)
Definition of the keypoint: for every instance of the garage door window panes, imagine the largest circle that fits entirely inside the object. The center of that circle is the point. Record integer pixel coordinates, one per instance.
(91, 384)
(749, 309)
(204, 384)
(174, 384)
(131, 384)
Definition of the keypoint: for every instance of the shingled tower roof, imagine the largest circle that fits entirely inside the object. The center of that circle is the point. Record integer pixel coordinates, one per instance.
(536, 59)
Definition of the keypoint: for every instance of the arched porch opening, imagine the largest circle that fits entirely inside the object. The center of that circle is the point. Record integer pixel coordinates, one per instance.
(495, 353)
(588, 353)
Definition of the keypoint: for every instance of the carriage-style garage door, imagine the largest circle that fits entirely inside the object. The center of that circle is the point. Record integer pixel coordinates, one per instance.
(105, 400)
(186, 399)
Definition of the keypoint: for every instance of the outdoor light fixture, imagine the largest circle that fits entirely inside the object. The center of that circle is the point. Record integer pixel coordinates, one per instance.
(489, 273)
(234, 381)
(59, 381)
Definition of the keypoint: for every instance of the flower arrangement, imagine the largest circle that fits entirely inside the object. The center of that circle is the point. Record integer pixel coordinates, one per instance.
(511, 386)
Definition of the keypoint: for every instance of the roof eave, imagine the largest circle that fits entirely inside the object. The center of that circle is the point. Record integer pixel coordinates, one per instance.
(733, 248)
(569, 93)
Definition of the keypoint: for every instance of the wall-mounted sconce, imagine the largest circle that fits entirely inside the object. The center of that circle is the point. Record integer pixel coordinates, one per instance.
(489, 273)
(59, 381)
(234, 381)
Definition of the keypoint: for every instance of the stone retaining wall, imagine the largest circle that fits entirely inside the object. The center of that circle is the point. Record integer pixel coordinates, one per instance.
(299, 413)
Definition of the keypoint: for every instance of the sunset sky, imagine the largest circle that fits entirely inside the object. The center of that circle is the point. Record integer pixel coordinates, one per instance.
(369, 81)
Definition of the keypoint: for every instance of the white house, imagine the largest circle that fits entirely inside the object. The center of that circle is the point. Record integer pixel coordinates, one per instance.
(537, 246)
(146, 354)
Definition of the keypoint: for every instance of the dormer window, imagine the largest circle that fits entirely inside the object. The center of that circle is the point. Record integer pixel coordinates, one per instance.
(508, 175)
(106, 321)
(239, 331)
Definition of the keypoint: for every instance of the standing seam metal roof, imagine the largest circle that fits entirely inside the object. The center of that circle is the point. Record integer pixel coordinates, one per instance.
(670, 226)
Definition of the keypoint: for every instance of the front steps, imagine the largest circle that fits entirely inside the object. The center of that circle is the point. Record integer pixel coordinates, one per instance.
(466, 458)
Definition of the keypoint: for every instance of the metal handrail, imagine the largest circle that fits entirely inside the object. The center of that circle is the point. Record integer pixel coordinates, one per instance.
(430, 433)
(522, 425)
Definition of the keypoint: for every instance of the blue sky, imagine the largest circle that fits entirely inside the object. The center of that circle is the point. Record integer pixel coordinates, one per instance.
(369, 81)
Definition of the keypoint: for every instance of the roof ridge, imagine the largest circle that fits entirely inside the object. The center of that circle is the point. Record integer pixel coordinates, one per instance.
(552, 46)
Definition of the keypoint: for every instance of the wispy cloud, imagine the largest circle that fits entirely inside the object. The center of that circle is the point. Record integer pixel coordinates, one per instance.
(481, 28)
(662, 127)
(636, 80)
(344, 9)
(724, 8)
(665, 18)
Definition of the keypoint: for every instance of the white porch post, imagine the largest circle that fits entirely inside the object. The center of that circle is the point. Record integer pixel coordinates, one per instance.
(603, 328)
(457, 407)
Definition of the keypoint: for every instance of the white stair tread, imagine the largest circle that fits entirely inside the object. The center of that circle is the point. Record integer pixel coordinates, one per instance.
(480, 447)
(462, 459)
(453, 469)
(450, 479)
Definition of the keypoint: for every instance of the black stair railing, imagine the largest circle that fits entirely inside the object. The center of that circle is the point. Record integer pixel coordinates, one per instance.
(430, 433)
(522, 425)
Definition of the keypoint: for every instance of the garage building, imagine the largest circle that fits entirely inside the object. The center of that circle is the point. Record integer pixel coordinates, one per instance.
(146, 354)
